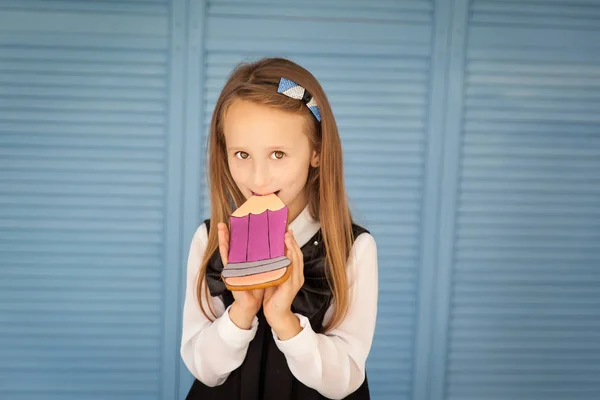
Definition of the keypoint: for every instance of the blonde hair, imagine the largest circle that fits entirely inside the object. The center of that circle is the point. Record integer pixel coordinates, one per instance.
(257, 82)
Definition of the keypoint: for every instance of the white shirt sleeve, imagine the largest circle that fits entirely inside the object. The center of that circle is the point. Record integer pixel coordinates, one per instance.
(334, 363)
(210, 350)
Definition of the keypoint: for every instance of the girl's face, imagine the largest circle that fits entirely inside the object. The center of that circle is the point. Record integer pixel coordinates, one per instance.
(268, 152)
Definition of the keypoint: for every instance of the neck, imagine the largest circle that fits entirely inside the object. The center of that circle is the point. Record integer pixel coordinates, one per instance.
(297, 206)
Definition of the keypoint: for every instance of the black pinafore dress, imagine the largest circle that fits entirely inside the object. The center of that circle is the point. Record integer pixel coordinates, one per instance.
(264, 374)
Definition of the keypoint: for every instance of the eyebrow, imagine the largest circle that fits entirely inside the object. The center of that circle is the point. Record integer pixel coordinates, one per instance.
(271, 148)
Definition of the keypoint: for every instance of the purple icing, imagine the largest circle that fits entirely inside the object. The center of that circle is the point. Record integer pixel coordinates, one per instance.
(257, 237)
(238, 239)
(277, 226)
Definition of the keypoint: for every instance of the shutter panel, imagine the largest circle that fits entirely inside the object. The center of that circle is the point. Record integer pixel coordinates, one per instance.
(83, 110)
(373, 61)
(525, 299)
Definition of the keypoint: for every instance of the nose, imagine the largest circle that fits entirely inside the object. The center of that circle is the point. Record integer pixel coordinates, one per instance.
(261, 176)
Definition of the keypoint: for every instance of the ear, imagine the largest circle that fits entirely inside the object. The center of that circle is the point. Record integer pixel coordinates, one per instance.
(314, 159)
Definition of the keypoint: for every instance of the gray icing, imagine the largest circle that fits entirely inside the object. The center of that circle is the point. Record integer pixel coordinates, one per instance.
(254, 267)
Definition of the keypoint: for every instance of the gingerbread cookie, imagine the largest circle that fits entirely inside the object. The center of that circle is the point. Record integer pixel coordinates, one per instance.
(256, 245)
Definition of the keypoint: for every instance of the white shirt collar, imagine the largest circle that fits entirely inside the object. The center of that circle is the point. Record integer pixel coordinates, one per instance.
(304, 227)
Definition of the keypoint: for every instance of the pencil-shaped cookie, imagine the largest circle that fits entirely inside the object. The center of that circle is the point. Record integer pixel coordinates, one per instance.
(256, 244)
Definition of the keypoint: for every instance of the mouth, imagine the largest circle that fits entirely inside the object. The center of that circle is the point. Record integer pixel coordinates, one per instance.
(265, 194)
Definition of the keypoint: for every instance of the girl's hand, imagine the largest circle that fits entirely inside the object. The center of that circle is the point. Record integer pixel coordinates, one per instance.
(246, 302)
(277, 302)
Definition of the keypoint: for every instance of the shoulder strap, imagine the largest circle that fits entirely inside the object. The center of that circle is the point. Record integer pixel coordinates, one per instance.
(357, 230)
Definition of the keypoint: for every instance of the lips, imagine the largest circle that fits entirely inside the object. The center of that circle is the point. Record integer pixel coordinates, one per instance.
(265, 194)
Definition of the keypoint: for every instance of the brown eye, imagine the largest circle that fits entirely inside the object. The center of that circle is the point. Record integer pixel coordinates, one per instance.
(278, 155)
(242, 155)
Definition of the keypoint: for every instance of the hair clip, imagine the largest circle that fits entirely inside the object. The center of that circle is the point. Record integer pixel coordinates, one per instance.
(295, 91)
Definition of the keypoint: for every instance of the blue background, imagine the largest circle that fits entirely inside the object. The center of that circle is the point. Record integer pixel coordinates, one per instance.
(471, 135)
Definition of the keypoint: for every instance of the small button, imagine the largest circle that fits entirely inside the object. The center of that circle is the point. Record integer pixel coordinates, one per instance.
(315, 243)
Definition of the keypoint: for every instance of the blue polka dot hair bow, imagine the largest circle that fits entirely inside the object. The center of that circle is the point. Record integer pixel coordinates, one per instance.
(295, 91)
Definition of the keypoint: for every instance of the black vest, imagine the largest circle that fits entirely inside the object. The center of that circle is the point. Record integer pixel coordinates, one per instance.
(264, 374)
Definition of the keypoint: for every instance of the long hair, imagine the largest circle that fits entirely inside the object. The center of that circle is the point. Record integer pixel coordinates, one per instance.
(258, 82)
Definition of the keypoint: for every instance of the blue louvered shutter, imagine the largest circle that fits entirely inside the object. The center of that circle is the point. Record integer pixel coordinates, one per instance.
(524, 308)
(98, 103)
(373, 61)
(83, 183)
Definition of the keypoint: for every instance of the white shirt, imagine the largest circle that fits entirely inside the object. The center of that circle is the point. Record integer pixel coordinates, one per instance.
(332, 363)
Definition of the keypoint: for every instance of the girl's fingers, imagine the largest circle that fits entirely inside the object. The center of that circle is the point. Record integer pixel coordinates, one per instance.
(300, 268)
(258, 294)
(290, 255)
(299, 255)
(296, 257)
(268, 292)
(223, 242)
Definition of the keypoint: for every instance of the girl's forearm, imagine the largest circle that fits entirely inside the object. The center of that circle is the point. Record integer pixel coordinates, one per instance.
(241, 318)
(286, 327)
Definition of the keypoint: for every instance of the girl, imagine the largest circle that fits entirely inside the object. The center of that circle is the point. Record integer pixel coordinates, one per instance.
(273, 131)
